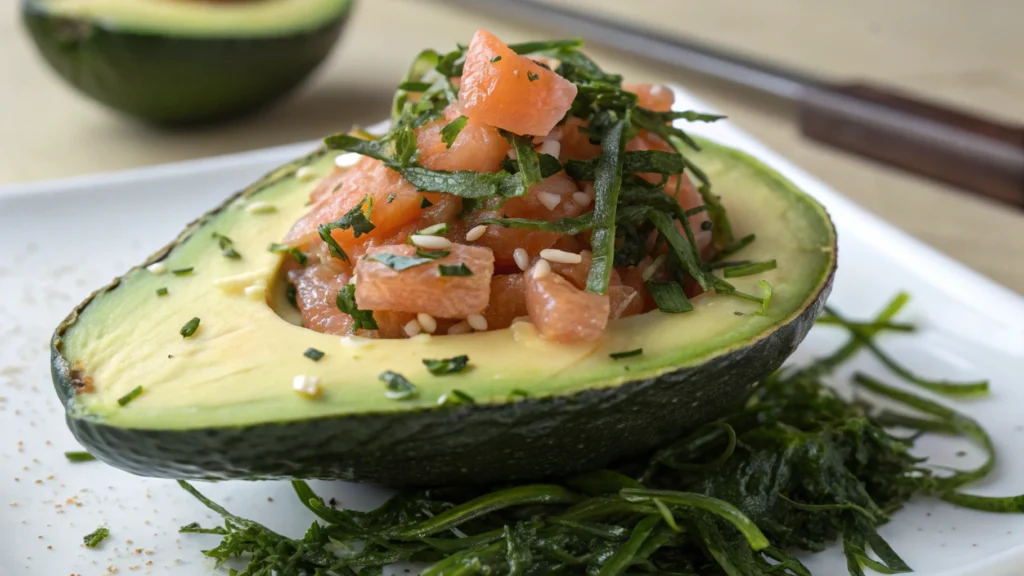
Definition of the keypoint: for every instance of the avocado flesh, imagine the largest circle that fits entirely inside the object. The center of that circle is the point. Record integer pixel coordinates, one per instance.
(259, 18)
(235, 374)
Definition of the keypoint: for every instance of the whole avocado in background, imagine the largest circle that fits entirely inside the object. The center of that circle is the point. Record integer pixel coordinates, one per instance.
(179, 62)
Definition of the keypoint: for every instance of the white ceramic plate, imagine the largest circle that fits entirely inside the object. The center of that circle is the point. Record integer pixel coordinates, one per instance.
(59, 240)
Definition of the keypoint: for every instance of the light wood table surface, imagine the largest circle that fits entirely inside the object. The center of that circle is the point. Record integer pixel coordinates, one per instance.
(964, 52)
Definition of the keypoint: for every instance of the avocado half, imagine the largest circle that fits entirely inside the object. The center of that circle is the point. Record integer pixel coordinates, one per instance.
(220, 404)
(185, 61)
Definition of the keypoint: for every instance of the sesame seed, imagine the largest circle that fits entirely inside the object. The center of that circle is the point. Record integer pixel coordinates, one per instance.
(256, 291)
(582, 199)
(475, 233)
(522, 258)
(513, 154)
(541, 269)
(305, 174)
(460, 328)
(549, 200)
(260, 208)
(308, 386)
(157, 268)
(412, 328)
(477, 322)
(552, 147)
(430, 242)
(427, 322)
(560, 256)
(346, 160)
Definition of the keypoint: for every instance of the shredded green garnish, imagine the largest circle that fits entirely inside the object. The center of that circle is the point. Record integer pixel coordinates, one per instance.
(424, 203)
(79, 457)
(189, 328)
(162, 291)
(313, 354)
(135, 393)
(455, 398)
(183, 271)
(447, 365)
(495, 59)
(452, 129)
(748, 269)
(459, 269)
(355, 219)
(669, 297)
(397, 387)
(99, 535)
(398, 262)
(346, 302)
(626, 354)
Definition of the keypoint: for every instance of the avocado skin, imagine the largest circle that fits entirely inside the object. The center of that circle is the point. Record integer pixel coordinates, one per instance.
(168, 80)
(525, 439)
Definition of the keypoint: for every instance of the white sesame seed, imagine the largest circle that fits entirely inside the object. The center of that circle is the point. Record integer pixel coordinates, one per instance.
(560, 256)
(522, 258)
(260, 208)
(430, 242)
(460, 328)
(477, 322)
(549, 200)
(552, 147)
(513, 154)
(581, 199)
(346, 160)
(308, 386)
(541, 269)
(256, 291)
(427, 322)
(412, 328)
(305, 174)
(157, 268)
(475, 233)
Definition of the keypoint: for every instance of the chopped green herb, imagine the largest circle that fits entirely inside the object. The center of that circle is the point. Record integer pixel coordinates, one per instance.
(531, 76)
(749, 269)
(161, 291)
(626, 354)
(424, 203)
(346, 302)
(455, 398)
(398, 262)
(607, 184)
(183, 271)
(459, 269)
(299, 255)
(495, 59)
(99, 535)
(189, 328)
(226, 246)
(518, 393)
(355, 219)
(432, 254)
(397, 387)
(313, 354)
(447, 366)
(669, 297)
(291, 293)
(79, 457)
(123, 400)
(452, 129)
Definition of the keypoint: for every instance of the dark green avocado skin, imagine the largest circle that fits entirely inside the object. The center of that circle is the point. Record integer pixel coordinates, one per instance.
(525, 439)
(171, 80)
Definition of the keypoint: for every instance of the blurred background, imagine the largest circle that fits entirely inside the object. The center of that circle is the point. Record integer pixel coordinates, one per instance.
(959, 52)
